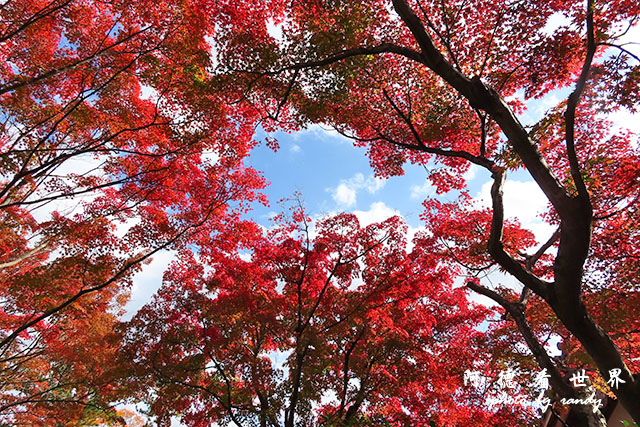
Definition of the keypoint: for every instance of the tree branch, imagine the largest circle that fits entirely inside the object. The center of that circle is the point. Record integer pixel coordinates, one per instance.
(485, 98)
(572, 103)
(558, 383)
(496, 248)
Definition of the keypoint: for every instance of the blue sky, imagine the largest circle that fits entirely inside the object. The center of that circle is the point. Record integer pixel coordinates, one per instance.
(335, 176)
(332, 175)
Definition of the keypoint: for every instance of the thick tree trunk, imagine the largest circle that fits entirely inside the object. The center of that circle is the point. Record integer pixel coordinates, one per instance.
(575, 212)
(604, 353)
(583, 416)
(580, 415)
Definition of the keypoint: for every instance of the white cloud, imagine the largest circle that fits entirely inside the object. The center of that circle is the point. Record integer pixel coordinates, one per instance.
(327, 134)
(546, 104)
(471, 172)
(123, 227)
(345, 194)
(210, 157)
(555, 21)
(378, 211)
(374, 184)
(624, 120)
(522, 200)
(411, 234)
(629, 40)
(81, 165)
(295, 148)
(245, 256)
(422, 191)
(275, 30)
(147, 92)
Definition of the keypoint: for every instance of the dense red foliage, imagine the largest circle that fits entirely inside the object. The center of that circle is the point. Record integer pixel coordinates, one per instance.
(113, 147)
(124, 125)
(329, 321)
(441, 84)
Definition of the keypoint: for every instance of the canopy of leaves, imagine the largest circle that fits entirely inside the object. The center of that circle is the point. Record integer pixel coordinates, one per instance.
(326, 324)
(123, 129)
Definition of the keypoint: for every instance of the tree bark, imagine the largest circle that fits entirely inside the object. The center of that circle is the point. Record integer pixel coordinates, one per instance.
(575, 212)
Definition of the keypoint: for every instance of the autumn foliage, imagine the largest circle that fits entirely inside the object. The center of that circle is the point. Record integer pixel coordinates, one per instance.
(111, 151)
(123, 130)
(329, 323)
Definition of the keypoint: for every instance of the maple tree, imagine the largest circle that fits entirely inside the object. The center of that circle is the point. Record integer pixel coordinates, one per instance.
(112, 149)
(325, 324)
(132, 119)
(441, 83)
